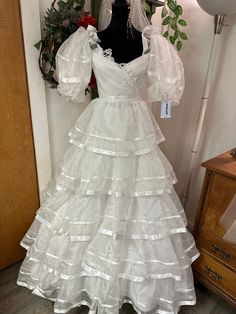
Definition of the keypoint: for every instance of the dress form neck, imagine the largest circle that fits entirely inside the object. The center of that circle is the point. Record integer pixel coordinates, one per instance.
(124, 40)
(119, 21)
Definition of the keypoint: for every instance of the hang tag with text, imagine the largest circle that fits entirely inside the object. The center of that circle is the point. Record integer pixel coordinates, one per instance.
(166, 109)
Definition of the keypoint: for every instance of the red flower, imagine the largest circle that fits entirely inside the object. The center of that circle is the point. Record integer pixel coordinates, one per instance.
(93, 82)
(85, 21)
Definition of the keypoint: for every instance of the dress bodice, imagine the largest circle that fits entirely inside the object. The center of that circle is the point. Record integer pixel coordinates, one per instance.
(115, 79)
(159, 68)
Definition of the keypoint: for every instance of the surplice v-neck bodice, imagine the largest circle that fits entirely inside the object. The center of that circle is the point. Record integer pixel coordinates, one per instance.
(117, 79)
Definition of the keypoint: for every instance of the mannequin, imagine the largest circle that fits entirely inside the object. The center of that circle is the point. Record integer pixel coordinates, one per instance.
(123, 39)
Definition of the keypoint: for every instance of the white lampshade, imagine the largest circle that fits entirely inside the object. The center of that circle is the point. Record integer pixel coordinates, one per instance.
(215, 7)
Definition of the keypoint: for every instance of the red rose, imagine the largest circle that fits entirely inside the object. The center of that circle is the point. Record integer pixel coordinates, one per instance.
(91, 20)
(85, 21)
(93, 82)
(81, 22)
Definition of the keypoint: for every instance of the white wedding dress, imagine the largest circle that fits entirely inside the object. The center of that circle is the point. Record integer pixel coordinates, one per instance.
(112, 229)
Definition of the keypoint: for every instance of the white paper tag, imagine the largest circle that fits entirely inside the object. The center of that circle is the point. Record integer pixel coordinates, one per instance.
(166, 109)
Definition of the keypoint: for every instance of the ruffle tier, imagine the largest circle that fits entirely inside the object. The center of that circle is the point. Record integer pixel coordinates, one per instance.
(118, 128)
(110, 257)
(112, 229)
(90, 173)
(114, 155)
(65, 269)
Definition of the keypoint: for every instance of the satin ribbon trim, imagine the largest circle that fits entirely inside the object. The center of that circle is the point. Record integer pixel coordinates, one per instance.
(126, 179)
(127, 276)
(131, 194)
(141, 236)
(64, 79)
(124, 300)
(117, 138)
(118, 262)
(64, 174)
(91, 272)
(124, 220)
(114, 153)
(83, 60)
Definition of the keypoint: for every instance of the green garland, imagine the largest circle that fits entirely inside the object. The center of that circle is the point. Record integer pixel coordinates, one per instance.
(60, 22)
(172, 16)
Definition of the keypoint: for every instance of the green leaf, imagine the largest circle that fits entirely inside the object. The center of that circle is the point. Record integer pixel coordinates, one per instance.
(176, 35)
(166, 20)
(176, 12)
(38, 44)
(61, 4)
(171, 4)
(164, 12)
(175, 27)
(166, 34)
(70, 2)
(45, 56)
(183, 35)
(48, 57)
(172, 40)
(173, 21)
(179, 45)
(50, 74)
(179, 9)
(182, 22)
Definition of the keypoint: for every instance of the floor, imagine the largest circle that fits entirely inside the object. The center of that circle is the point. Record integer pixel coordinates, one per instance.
(15, 299)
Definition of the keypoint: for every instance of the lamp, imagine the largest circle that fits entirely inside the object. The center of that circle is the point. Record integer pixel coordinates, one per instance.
(215, 7)
(220, 9)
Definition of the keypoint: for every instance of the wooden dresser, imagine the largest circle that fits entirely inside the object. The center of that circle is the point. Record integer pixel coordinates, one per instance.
(215, 228)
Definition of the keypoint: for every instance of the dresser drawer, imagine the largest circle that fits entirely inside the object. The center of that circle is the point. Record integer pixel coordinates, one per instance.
(216, 273)
(223, 250)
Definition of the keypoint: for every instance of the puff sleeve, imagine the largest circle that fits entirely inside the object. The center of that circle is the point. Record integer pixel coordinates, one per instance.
(73, 66)
(165, 69)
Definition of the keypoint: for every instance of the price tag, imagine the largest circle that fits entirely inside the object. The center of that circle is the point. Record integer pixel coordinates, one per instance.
(166, 109)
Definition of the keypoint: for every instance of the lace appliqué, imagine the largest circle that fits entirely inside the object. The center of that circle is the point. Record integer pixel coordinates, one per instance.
(107, 53)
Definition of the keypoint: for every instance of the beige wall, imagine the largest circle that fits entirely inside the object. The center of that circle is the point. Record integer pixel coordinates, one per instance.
(61, 114)
(219, 132)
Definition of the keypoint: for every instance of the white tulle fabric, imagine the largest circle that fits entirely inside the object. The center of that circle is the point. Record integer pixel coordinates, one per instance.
(73, 63)
(165, 69)
(111, 229)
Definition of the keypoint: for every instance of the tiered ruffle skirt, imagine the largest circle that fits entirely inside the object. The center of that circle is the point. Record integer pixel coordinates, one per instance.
(112, 229)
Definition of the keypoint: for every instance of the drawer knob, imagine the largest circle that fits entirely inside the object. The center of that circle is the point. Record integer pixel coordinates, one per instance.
(212, 273)
(217, 250)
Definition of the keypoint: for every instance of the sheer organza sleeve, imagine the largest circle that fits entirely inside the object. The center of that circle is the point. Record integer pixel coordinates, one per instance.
(165, 69)
(73, 64)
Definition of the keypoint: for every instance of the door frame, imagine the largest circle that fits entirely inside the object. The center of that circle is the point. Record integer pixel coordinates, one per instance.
(30, 16)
